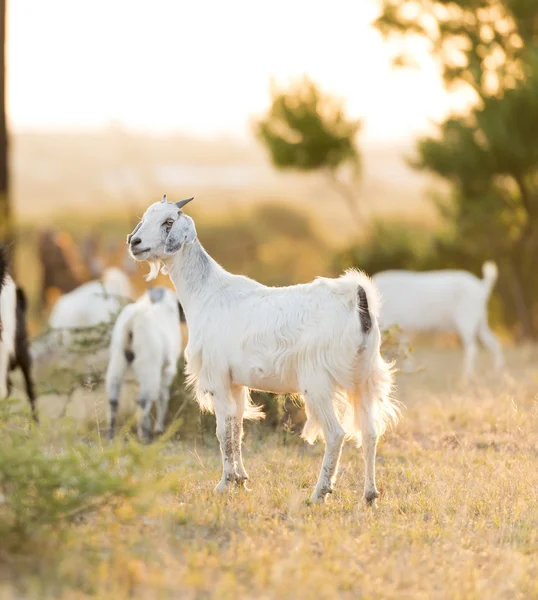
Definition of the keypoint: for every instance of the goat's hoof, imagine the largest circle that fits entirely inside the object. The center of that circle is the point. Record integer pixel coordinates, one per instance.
(220, 488)
(224, 483)
(241, 481)
(145, 438)
(319, 497)
(370, 498)
(158, 431)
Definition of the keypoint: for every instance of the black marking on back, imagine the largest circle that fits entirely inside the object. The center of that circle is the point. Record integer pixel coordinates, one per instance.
(364, 311)
(182, 318)
(129, 354)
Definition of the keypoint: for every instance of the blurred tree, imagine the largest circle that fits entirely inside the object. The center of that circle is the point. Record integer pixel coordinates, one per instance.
(6, 216)
(489, 154)
(307, 130)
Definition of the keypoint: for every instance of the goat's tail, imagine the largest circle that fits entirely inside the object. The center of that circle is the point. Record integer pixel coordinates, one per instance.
(377, 389)
(373, 392)
(490, 272)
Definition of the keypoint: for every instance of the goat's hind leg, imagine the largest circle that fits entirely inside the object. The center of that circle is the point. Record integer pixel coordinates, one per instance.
(25, 363)
(364, 402)
(488, 338)
(320, 408)
(115, 373)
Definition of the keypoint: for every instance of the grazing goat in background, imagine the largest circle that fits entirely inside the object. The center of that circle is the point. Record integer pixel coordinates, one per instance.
(442, 301)
(147, 337)
(320, 340)
(89, 305)
(14, 347)
(93, 302)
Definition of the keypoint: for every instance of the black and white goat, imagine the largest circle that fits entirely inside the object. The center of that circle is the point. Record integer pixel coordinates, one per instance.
(14, 346)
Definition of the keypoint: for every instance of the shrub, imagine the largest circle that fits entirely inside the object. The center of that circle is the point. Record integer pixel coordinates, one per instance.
(389, 245)
(44, 486)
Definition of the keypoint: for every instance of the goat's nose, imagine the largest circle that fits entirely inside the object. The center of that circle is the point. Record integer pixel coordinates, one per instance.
(136, 241)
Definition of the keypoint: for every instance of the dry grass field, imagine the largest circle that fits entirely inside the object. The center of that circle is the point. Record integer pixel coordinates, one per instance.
(457, 517)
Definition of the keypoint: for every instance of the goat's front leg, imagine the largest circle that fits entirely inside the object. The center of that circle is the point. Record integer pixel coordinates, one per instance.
(164, 398)
(240, 395)
(225, 435)
(4, 367)
(144, 418)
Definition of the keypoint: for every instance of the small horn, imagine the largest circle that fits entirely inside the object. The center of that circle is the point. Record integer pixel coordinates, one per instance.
(163, 200)
(182, 203)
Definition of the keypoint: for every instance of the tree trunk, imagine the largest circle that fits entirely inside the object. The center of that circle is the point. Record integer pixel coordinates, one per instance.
(348, 195)
(522, 310)
(522, 261)
(6, 214)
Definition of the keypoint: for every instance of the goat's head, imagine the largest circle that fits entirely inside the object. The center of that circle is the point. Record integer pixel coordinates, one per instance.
(163, 231)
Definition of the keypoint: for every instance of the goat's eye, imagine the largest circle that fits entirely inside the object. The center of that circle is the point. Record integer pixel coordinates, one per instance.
(169, 222)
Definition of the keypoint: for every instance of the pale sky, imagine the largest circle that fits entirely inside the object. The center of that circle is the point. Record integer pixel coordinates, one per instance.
(204, 66)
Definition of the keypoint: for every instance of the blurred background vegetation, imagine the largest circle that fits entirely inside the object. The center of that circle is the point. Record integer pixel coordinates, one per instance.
(105, 106)
(466, 193)
(305, 193)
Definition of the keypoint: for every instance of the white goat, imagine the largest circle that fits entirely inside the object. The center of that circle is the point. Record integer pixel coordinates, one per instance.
(146, 336)
(88, 305)
(93, 302)
(441, 301)
(320, 340)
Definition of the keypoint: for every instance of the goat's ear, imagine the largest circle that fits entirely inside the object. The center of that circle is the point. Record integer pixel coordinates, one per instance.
(190, 233)
(183, 232)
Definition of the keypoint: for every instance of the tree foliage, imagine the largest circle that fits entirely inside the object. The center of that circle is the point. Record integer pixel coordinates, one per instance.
(308, 130)
(488, 153)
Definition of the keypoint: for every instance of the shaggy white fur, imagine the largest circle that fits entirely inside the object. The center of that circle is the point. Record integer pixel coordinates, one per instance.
(320, 340)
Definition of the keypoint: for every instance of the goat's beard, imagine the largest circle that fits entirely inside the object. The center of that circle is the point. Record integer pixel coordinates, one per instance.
(154, 268)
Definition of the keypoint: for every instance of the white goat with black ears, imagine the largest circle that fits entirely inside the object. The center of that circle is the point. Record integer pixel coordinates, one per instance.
(319, 339)
(147, 338)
